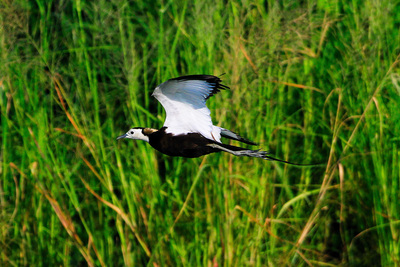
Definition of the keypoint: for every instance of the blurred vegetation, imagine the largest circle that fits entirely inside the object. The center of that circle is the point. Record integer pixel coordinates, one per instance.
(311, 81)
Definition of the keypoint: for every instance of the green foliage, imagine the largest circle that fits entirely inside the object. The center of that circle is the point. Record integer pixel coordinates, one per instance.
(311, 81)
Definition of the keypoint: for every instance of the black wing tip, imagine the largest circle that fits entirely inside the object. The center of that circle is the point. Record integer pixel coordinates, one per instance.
(247, 141)
(241, 139)
(203, 77)
(237, 137)
(211, 79)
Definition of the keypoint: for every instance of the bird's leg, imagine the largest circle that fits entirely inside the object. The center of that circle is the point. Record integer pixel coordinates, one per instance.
(244, 152)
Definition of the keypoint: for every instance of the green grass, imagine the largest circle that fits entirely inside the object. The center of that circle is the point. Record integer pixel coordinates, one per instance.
(313, 81)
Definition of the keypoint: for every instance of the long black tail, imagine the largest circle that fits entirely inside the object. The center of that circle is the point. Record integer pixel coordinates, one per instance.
(287, 162)
(240, 151)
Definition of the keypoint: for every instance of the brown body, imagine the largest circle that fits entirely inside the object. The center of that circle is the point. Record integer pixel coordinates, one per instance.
(191, 145)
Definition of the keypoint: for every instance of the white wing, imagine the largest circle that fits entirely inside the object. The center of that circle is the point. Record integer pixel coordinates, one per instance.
(184, 100)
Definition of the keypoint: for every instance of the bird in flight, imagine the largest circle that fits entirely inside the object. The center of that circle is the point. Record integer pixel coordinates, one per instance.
(188, 130)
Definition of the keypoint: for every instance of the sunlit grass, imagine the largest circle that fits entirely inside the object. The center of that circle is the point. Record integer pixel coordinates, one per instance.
(311, 82)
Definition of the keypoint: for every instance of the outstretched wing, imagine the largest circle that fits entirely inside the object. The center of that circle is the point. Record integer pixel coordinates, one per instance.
(184, 100)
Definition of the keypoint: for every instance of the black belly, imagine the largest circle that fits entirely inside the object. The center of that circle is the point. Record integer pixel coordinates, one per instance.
(190, 145)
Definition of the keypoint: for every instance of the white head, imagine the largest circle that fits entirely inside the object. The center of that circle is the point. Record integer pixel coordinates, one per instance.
(138, 133)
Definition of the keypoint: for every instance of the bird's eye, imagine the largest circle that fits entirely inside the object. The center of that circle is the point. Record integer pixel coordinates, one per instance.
(131, 132)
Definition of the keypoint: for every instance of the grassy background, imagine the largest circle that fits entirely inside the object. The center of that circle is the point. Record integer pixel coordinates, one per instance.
(313, 81)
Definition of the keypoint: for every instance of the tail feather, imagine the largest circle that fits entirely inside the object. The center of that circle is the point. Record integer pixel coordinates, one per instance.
(234, 136)
(239, 151)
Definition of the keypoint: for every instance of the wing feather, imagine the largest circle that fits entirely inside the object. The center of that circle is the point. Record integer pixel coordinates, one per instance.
(184, 100)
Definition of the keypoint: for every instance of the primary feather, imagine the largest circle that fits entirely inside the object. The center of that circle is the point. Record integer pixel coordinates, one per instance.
(184, 100)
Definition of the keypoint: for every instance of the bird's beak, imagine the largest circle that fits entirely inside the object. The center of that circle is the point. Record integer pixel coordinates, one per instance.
(122, 136)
